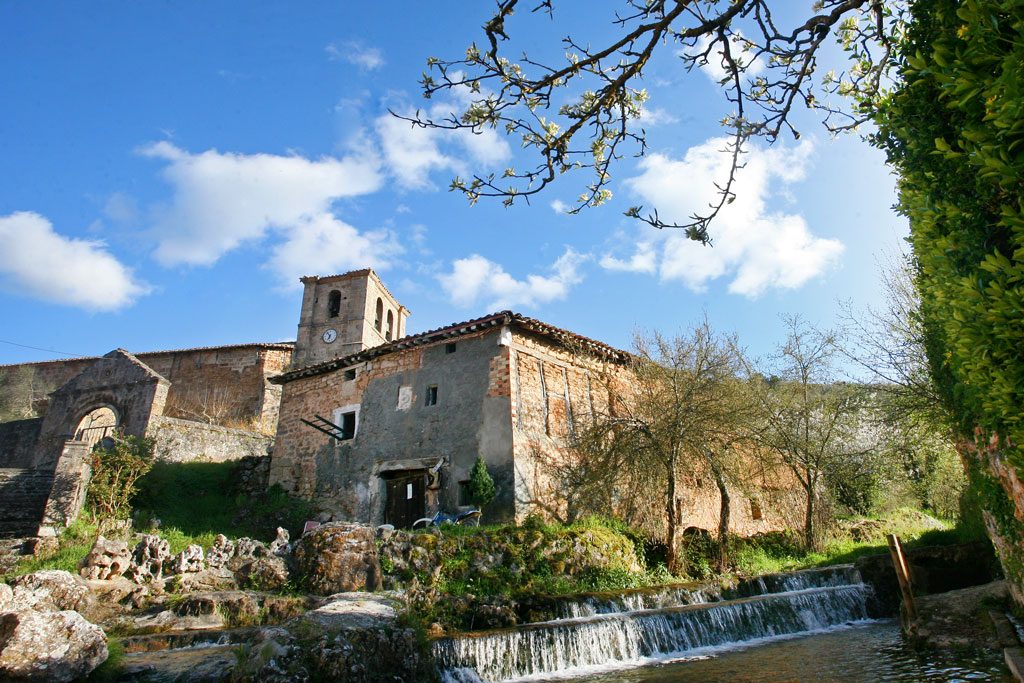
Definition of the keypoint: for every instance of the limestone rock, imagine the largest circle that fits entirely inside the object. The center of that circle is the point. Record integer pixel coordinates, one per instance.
(189, 560)
(355, 610)
(149, 557)
(264, 573)
(339, 557)
(48, 590)
(51, 646)
(220, 552)
(6, 597)
(281, 546)
(217, 579)
(106, 560)
(246, 550)
(351, 637)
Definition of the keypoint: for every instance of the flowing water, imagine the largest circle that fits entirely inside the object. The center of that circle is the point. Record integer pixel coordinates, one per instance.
(867, 653)
(637, 628)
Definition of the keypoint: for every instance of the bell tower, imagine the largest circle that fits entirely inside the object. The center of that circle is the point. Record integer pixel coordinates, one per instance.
(343, 314)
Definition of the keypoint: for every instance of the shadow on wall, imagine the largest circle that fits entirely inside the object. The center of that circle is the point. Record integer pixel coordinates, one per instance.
(200, 498)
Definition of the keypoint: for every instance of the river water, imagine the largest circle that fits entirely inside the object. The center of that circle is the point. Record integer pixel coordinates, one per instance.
(868, 653)
(812, 625)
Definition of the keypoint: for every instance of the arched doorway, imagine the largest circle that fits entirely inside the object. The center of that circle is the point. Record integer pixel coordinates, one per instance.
(98, 424)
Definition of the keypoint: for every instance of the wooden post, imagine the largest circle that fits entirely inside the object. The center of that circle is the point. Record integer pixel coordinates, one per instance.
(899, 563)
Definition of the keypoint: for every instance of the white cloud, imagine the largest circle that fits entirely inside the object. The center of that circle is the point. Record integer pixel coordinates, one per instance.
(325, 244)
(715, 67)
(656, 117)
(354, 52)
(39, 262)
(558, 206)
(643, 260)
(412, 153)
(224, 200)
(476, 279)
(757, 247)
(121, 208)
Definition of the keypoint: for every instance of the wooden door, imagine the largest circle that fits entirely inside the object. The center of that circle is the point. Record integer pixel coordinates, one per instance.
(406, 499)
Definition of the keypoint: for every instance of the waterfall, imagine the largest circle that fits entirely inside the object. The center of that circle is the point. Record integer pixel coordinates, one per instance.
(776, 605)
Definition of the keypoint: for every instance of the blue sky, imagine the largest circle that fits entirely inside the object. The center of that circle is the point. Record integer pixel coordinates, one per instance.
(170, 170)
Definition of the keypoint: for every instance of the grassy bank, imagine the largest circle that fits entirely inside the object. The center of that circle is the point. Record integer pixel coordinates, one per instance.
(848, 540)
(185, 503)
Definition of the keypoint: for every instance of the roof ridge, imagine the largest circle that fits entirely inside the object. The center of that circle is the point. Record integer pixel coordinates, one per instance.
(455, 329)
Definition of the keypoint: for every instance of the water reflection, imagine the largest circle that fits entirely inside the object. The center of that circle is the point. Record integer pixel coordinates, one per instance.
(866, 654)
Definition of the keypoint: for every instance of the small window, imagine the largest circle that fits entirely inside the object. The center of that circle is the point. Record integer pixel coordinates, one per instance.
(350, 375)
(348, 426)
(464, 497)
(755, 511)
(379, 319)
(333, 304)
(391, 326)
(431, 395)
(449, 347)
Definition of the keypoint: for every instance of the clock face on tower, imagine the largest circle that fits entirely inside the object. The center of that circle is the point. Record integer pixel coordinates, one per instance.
(330, 335)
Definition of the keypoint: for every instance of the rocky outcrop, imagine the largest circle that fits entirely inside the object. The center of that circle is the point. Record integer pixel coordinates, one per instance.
(264, 573)
(106, 560)
(218, 555)
(281, 546)
(149, 557)
(339, 557)
(189, 560)
(41, 635)
(351, 637)
(48, 590)
(49, 646)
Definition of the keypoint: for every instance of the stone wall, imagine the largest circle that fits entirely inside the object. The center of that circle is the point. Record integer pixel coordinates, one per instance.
(18, 442)
(229, 382)
(396, 430)
(225, 385)
(556, 391)
(251, 474)
(186, 441)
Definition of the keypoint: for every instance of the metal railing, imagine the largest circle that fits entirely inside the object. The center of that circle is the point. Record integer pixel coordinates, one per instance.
(93, 435)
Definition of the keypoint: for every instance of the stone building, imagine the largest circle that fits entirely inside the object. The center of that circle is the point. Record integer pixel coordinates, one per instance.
(208, 404)
(386, 431)
(371, 424)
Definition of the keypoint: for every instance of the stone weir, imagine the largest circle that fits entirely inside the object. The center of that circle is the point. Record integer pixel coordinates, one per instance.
(767, 607)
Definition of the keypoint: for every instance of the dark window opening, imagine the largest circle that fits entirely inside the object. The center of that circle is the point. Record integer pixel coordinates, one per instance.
(755, 511)
(350, 375)
(333, 304)
(348, 426)
(391, 326)
(464, 496)
(431, 396)
(379, 315)
(449, 347)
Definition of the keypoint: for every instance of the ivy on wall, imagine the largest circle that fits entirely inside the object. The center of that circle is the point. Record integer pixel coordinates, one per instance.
(954, 131)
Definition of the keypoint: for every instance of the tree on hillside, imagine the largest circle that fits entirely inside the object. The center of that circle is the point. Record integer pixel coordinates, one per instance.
(582, 111)
(809, 422)
(889, 344)
(681, 421)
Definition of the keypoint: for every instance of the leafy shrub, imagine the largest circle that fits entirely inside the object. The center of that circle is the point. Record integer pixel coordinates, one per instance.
(115, 475)
(481, 485)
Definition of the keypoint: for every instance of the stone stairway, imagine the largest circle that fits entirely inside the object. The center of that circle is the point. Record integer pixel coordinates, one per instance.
(23, 494)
